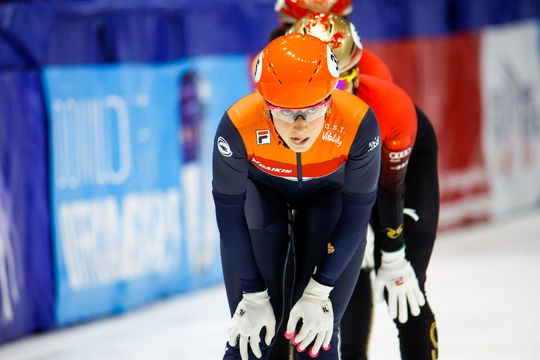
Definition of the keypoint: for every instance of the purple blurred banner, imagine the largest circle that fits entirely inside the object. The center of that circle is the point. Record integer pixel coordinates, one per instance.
(74, 32)
(26, 287)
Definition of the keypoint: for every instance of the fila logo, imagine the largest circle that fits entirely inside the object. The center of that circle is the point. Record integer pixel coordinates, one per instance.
(263, 137)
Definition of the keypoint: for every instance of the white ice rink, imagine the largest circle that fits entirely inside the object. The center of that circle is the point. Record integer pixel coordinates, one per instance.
(483, 285)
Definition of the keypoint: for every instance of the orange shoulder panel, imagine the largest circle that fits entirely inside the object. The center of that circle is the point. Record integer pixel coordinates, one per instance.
(348, 106)
(331, 149)
(247, 110)
(257, 131)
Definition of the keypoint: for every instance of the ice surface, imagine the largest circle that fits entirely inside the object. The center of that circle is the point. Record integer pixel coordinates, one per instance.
(483, 285)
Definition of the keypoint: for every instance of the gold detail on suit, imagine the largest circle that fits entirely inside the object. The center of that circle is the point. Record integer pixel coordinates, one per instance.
(394, 233)
(331, 248)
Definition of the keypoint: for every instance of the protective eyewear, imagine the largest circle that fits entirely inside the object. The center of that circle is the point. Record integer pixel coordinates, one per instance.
(309, 113)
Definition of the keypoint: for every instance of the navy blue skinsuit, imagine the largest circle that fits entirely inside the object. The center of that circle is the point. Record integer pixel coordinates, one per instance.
(331, 187)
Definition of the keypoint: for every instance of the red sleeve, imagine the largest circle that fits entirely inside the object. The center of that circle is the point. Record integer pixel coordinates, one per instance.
(397, 120)
(371, 64)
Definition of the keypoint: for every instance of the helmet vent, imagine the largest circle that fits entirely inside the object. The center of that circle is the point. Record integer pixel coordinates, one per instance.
(315, 71)
(273, 72)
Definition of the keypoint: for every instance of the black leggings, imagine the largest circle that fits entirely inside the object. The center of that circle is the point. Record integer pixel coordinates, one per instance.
(418, 336)
(314, 221)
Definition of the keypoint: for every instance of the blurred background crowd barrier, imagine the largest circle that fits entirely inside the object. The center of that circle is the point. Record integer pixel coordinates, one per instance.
(107, 115)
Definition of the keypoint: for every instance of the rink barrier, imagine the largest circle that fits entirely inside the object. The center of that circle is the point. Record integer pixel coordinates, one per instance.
(133, 219)
(485, 108)
(26, 274)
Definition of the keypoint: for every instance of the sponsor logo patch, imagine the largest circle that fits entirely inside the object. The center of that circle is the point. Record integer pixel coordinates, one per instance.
(223, 147)
(272, 169)
(374, 143)
(332, 137)
(397, 156)
(263, 137)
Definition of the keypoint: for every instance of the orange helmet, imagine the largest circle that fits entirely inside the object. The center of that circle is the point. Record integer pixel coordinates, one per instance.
(336, 31)
(296, 71)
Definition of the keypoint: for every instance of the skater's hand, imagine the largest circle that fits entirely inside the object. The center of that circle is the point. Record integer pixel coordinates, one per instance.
(397, 276)
(252, 314)
(315, 310)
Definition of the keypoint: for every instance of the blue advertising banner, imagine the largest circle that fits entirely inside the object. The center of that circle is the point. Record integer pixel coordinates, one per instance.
(116, 200)
(26, 280)
(209, 86)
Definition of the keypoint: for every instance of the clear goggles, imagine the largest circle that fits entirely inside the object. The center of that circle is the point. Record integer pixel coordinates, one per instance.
(309, 113)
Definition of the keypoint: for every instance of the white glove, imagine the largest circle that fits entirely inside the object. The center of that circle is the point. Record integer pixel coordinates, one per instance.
(315, 310)
(397, 275)
(252, 314)
(368, 262)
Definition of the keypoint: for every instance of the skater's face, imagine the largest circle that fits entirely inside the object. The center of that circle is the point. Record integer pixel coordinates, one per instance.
(300, 134)
(299, 128)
